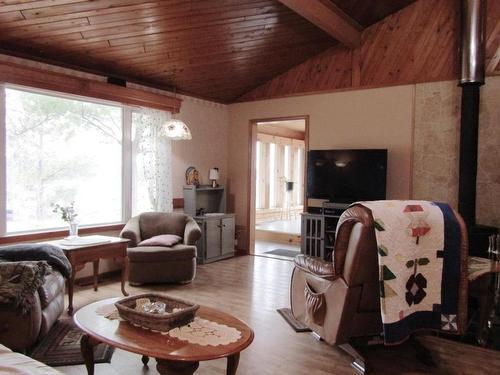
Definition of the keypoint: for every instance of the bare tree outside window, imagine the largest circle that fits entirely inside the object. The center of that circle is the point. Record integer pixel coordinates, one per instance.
(60, 150)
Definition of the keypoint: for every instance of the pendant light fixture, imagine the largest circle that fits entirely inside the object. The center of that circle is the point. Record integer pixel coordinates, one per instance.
(176, 129)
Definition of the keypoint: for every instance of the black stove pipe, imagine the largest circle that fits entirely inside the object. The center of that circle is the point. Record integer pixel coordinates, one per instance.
(472, 77)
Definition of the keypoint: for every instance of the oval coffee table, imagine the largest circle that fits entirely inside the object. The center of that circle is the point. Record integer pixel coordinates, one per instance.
(173, 356)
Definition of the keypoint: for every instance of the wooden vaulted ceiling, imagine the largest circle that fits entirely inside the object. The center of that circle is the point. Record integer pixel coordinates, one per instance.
(216, 49)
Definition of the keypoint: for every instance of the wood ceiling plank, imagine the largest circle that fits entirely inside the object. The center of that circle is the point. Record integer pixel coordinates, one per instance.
(201, 50)
(216, 60)
(54, 28)
(14, 16)
(189, 8)
(137, 27)
(12, 6)
(77, 7)
(90, 13)
(329, 18)
(213, 30)
(187, 22)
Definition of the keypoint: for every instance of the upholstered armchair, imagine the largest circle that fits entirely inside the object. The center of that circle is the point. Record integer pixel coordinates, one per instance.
(162, 247)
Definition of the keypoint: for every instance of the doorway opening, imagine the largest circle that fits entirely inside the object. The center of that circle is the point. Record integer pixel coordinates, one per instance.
(279, 153)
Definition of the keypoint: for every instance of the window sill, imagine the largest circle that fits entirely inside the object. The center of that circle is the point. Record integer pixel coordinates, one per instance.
(29, 237)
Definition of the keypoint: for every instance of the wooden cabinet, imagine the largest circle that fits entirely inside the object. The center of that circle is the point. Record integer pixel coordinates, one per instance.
(318, 231)
(204, 199)
(217, 237)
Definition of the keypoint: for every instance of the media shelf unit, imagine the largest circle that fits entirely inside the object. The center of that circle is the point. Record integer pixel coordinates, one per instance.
(318, 230)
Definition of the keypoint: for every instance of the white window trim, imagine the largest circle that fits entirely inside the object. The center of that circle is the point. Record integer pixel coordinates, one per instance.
(126, 156)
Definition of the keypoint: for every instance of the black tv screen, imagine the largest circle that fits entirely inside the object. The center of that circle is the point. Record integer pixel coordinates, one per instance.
(346, 176)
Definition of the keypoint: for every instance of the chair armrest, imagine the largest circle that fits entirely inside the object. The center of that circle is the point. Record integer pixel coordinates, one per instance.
(192, 232)
(132, 231)
(316, 266)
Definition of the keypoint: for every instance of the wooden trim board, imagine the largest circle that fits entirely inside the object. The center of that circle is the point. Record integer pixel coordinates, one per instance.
(68, 84)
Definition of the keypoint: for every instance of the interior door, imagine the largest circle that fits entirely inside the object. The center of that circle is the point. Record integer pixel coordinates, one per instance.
(213, 238)
(227, 235)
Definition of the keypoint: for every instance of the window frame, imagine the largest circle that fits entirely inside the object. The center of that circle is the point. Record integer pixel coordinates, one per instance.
(126, 188)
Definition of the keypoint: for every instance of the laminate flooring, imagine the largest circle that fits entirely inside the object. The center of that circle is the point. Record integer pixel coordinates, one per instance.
(252, 288)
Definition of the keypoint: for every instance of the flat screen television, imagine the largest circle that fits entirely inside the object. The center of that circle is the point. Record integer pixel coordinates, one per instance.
(346, 176)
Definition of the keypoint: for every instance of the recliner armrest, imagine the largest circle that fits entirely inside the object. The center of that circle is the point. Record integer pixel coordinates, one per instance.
(192, 232)
(132, 231)
(315, 266)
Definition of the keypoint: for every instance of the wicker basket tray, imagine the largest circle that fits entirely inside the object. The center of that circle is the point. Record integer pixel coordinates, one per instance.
(159, 322)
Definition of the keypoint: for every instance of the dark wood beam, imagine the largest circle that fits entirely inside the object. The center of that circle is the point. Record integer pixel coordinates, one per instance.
(42, 79)
(329, 18)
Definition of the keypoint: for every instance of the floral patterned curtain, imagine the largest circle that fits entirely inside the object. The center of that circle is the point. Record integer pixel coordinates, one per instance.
(151, 163)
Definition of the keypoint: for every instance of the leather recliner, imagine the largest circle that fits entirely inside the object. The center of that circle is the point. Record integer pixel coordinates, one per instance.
(20, 331)
(340, 299)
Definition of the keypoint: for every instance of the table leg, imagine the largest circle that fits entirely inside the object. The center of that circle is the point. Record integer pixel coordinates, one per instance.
(71, 283)
(96, 273)
(124, 274)
(232, 363)
(87, 344)
(166, 367)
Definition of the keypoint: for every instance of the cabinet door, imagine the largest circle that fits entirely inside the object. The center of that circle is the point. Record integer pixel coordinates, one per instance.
(213, 241)
(227, 235)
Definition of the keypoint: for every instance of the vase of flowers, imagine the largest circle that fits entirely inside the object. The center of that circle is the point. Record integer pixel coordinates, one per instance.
(68, 214)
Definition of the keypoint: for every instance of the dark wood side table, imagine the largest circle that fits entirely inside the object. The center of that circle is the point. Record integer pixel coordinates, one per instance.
(173, 356)
(78, 256)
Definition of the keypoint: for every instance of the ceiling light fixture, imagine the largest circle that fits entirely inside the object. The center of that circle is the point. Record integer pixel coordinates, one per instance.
(176, 129)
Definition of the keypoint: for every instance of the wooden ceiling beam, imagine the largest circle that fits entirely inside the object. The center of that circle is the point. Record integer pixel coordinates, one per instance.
(32, 77)
(329, 18)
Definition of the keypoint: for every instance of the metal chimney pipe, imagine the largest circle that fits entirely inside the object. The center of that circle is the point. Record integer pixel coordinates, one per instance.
(472, 77)
(473, 41)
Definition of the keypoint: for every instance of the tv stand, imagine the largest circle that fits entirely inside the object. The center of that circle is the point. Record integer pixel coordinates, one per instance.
(318, 230)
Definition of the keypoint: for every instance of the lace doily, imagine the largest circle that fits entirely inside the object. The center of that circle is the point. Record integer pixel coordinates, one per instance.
(205, 332)
(200, 331)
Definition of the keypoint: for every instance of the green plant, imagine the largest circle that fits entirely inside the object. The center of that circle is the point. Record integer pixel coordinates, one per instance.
(68, 213)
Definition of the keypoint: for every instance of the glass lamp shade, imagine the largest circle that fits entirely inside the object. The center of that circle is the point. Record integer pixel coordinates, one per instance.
(176, 130)
(213, 174)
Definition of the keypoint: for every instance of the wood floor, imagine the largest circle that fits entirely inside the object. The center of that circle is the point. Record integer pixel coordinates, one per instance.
(252, 288)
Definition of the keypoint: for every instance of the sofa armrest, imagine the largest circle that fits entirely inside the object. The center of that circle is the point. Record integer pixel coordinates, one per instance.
(132, 231)
(192, 232)
(316, 266)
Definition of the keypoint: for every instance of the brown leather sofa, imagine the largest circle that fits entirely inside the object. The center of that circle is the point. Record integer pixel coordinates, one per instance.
(161, 264)
(20, 331)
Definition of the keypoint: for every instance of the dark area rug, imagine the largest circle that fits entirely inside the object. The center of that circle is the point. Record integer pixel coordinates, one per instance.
(297, 326)
(284, 252)
(61, 347)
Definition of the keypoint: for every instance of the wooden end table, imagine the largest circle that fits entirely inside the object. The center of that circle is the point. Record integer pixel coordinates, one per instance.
(173, 356)
(78, 256)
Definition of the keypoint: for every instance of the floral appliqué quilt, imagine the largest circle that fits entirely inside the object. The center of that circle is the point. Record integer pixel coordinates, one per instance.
(419, 266)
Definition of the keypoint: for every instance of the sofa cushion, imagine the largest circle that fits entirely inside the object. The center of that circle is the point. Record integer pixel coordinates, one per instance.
(51, 288)
(15, 363)
(155, 223)
(167, 240)
(161, 254)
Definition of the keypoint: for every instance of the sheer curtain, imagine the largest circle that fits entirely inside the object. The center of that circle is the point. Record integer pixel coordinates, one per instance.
(151, 162)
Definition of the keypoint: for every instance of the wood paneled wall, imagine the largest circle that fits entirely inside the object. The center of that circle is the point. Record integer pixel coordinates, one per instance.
(420, 43)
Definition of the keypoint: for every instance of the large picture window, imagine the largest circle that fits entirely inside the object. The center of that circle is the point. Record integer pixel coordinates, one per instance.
(60, 150)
